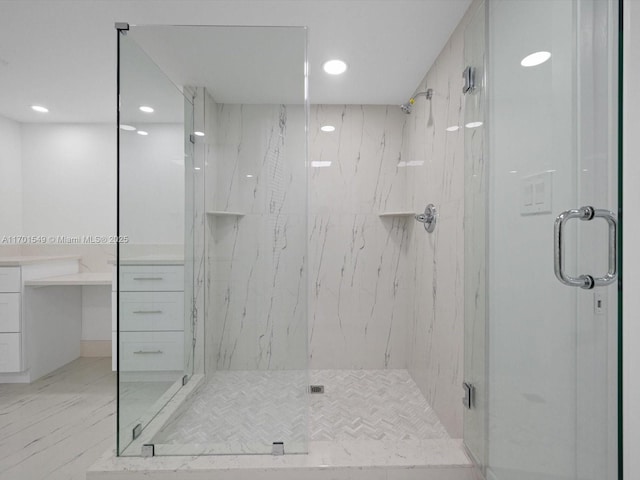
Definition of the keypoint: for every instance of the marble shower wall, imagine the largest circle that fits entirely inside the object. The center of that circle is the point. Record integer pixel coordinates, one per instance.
(361, 287)
(195, 233)
(257, 247)
(383, 293)
(435, 340)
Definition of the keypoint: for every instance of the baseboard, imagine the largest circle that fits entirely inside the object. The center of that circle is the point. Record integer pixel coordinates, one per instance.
(95, 348)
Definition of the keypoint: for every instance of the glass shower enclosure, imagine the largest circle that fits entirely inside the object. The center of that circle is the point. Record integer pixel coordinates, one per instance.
(211, 291)
(541, 247)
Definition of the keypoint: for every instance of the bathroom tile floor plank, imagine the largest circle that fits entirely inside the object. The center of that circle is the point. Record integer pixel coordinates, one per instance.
(56, 427)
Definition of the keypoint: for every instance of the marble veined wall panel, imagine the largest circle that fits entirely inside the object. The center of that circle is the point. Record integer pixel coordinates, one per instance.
(435, 340)
(361, 291)
(257, 194)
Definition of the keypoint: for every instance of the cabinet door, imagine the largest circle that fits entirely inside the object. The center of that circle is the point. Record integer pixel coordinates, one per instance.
(9, 352)
(9, 312)
(10, 279)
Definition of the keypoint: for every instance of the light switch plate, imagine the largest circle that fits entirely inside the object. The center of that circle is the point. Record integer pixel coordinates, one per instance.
(536, 194)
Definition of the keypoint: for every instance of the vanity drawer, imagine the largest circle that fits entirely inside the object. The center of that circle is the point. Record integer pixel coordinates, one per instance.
(10, 279)
(9, 312)
(114, 311)
(151, 278)
(114, 351)
(151, 311)
(10, 352)
(151, 351)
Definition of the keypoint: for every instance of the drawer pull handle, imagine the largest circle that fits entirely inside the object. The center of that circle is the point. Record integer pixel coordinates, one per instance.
(148, 278)
(147, 352)
(147, 311)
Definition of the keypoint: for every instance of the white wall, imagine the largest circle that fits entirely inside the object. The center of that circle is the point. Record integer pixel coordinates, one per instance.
(152, 185)
(631, 259)
(69, 178)
(96, 312)
(10, 178)
(60, 179)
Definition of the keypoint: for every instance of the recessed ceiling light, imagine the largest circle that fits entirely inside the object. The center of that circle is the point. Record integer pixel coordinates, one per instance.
(328, 128)
(535, 59)
(39, 108)
(142, 132)
(320, 163)
(128, 128)
(452, 128)
(196, 168)
(473, 124)
(249, 176)
(334, 67)
(146, 109)
(199, 134)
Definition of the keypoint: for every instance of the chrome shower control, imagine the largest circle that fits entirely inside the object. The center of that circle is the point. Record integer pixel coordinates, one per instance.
(428, 218)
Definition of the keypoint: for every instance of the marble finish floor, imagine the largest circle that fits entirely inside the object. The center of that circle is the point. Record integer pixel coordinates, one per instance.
(246, 411)
(56, 427)
(368, 425)
(60, 425)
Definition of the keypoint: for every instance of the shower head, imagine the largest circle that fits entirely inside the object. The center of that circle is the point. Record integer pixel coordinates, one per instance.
(408, 107)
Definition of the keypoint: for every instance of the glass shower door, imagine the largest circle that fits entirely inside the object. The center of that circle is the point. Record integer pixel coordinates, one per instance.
(551, 194)
(227, 195)
(154, 290)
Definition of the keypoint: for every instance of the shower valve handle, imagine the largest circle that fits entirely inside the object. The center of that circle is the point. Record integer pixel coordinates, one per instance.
(428, 218)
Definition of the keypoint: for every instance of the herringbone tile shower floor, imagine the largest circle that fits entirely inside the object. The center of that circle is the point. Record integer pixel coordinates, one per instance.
(258, 408)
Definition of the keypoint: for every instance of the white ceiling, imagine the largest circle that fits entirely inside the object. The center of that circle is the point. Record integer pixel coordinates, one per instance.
(249, 65)
(62, 53)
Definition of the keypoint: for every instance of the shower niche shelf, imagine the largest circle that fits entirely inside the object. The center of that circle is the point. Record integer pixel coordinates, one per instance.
(396, 214)
(222, 213)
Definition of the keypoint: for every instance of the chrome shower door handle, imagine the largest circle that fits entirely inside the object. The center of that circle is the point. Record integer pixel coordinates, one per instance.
(585, 281)
(612, 271)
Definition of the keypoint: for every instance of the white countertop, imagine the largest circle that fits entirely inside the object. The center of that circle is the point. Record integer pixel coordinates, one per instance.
(17, 261)
(89, 278)
(151, 260)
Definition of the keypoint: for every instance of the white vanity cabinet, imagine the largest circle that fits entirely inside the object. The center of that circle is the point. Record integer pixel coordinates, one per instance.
(10, 319)
(31, 346)
(151, 317)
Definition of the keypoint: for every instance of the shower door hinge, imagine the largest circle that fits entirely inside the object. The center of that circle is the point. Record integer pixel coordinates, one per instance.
(469, 395)
(185, 380)
(148, 450)
(469, 77)
(192, 138)
(122, 27)
(137, 430)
